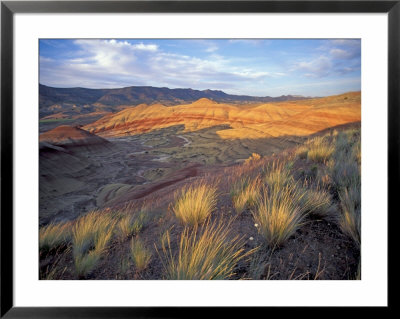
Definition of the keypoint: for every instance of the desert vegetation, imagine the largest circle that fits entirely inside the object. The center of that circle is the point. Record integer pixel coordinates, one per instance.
(245, 193)
(195, 203)
(205, 253)
(279, 213)
(141, 256)
(269, 217)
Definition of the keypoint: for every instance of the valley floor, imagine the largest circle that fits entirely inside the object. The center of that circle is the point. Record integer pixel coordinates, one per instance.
(133, 186)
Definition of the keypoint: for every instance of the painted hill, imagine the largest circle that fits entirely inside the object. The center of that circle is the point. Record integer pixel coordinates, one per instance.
(299, 118)
(66, 136)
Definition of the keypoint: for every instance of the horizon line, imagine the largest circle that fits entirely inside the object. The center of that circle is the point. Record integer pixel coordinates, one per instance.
(181, 88)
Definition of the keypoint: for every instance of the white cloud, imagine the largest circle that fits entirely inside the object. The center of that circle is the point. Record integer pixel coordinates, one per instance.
(339, 53)
(112, 63)
(146, 47)
(211, 48)
(318, 67)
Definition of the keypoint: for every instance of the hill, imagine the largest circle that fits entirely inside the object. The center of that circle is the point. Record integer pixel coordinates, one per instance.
(82, 100)
(66, 136)
(298, 118)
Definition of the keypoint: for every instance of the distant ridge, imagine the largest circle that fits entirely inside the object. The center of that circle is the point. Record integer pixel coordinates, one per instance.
(53, 99)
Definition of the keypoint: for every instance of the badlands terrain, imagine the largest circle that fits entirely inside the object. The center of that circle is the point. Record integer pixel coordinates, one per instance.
(129, 153)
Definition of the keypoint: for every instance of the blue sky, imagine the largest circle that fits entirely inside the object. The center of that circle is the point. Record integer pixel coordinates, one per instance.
(270, 67)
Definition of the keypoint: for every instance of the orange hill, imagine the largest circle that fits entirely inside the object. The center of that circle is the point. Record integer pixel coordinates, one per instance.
(302, 117)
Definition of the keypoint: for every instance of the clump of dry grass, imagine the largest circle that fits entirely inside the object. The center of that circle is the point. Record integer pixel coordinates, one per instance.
(245, 193)
(301, 152)
(131, 224)
(92, 230)
(318, 203)
(346, 174)
(90, 236)
(141, 256)
(279, 212)
(194, 203)
(350, 219)
(319, 150)
(204, 254)
(278, 174)
(54, 235)
(253, 158)
(84, 264)
(345, 169)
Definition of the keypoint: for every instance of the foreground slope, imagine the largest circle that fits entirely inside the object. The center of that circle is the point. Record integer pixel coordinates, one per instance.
(292, 216)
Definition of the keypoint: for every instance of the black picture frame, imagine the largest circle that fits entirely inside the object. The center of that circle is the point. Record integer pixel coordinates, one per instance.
(9, 8)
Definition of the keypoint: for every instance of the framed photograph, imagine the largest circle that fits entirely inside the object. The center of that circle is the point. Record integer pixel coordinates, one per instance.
(158, 156)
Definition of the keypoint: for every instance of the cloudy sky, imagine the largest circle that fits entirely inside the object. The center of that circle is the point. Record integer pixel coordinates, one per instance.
(252, 67)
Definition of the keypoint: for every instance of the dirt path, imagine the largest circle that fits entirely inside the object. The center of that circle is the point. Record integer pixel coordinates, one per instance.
(187, 142)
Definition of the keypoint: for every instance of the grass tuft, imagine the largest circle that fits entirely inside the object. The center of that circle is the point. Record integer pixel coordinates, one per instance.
(279, 213)
(245, 194)
(253, 158)
(141, 256)
(350, 219)
(278, 174)
(204, 254)
(131, 224)
(90, 236)
(318, 203)
(319, 150)
(195, 203)
(301, 152)
(84, 264)
(54, 235)
(346, 174)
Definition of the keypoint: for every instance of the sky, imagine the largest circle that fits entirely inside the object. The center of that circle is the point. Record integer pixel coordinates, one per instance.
(258, 67)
